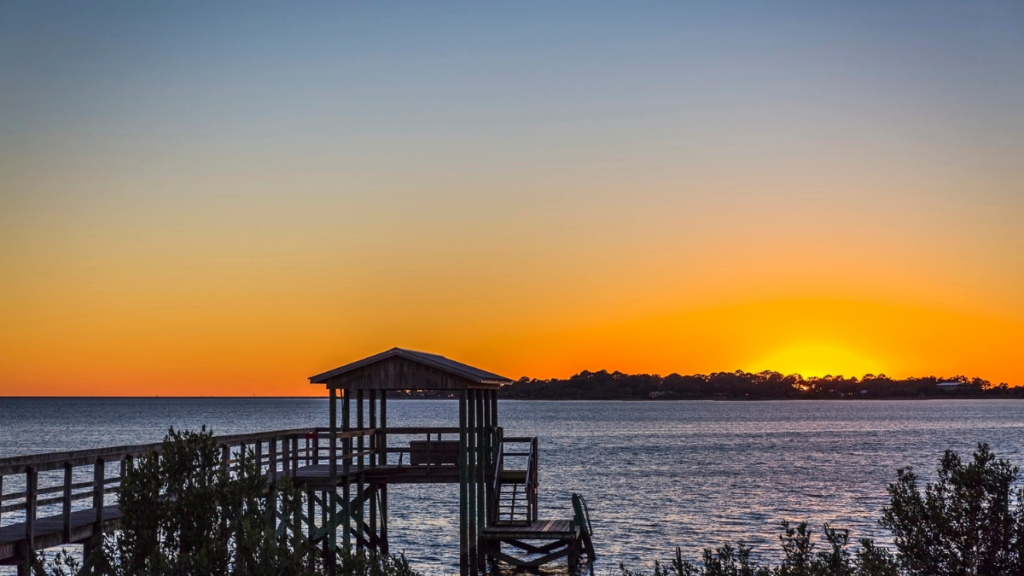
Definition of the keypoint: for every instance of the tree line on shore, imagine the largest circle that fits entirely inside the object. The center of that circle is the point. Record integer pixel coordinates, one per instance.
(604, 385)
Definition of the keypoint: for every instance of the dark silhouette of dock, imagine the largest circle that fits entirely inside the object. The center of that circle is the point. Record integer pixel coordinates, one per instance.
(344, 468)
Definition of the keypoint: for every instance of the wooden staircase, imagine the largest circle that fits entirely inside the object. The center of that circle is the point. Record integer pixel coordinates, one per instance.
(513, 501)
(514, 521)
(515, 488)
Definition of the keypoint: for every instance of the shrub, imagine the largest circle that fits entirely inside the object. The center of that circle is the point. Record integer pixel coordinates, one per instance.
(184, 514)
(969, 522)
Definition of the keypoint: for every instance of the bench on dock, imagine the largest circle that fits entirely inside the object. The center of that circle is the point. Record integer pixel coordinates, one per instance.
(423, 452)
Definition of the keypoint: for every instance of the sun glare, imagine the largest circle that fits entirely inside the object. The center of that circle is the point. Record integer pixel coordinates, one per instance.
(820, 360)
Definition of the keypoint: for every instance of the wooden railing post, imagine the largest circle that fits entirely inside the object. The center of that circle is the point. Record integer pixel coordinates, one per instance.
(272, 481)
(536, 477)
(286, 456)
(66, 504)
(225, 457)
(1, 498)
(295, 455)
(122, 473)
(31, 491)
(272, 463)
(99, 474)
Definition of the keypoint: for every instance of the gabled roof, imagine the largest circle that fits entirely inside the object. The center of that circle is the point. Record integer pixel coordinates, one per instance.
(435, 361)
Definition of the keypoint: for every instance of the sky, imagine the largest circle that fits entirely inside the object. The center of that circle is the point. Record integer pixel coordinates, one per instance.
(209, 198)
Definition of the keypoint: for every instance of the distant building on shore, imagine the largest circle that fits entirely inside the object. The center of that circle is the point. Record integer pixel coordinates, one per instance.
(952, 386)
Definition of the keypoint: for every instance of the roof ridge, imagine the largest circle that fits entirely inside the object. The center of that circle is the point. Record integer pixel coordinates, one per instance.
(436, 361)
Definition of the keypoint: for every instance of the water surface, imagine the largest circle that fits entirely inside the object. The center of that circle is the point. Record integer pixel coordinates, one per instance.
(656, 474)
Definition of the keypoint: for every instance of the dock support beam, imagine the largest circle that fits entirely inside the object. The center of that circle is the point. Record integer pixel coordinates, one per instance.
(463, 487)
(383, 460)
(346, 496)
(361, 477)
(373, 464)
(480, 468)
(332, 536)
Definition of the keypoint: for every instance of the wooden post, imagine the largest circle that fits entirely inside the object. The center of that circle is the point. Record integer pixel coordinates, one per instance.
(474, 534)
(258, 453)
(328, 552)
(310, 514)
(272, 460)
(463, 487)
(99, 474)
(536, 476)
(295, 455)
(346, 496)
(373, 464)
(360, 443)
(286, 457)
(481, 505)
(66, 503)
(332, 538)
(272, 483)
(31, 493)
(382, 459)
(373, 426)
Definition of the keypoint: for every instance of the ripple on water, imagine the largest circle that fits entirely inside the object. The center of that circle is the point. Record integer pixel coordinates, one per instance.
(656, 474)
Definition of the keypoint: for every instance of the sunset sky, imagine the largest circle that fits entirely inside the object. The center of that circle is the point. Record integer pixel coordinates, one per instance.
(223, 199)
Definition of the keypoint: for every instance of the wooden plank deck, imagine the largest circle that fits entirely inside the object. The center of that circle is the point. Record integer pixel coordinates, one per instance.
(49, 531)
(539, 530)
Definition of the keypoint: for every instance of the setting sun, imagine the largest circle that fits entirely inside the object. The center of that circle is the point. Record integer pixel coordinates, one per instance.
(820, 360)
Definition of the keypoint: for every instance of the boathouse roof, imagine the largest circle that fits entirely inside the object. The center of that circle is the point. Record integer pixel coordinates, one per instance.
(401, 369)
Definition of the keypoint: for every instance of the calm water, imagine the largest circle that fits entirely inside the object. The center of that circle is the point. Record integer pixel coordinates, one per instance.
(656, 474)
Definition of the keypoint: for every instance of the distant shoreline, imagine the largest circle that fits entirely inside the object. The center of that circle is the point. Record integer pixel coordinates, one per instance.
(764, 399)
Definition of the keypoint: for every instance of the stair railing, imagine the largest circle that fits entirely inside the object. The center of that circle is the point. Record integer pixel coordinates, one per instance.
(499, 465)
(531, 483)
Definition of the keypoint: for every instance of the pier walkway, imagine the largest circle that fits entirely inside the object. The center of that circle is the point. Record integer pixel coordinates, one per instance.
(60, 498)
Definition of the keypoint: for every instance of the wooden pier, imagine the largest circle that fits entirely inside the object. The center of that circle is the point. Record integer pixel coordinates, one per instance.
(344, 468)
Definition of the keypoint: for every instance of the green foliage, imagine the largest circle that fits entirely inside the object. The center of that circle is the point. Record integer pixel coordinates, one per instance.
(361, 563)
(969, 522)
(799, 558)
(185, 514)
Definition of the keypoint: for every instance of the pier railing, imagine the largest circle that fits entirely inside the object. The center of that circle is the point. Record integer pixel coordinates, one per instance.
(81, 488)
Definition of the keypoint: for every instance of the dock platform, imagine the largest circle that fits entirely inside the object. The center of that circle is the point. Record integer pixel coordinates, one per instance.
(343, 471)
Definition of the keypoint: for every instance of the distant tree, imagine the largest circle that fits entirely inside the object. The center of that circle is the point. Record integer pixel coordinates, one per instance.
(604, 385)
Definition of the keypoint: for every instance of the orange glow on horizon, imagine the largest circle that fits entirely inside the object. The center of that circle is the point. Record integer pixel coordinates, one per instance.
(810, 337)
(193, 204)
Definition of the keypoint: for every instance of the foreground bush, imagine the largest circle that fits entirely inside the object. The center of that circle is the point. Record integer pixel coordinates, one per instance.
(184, 514)
(969, 522)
